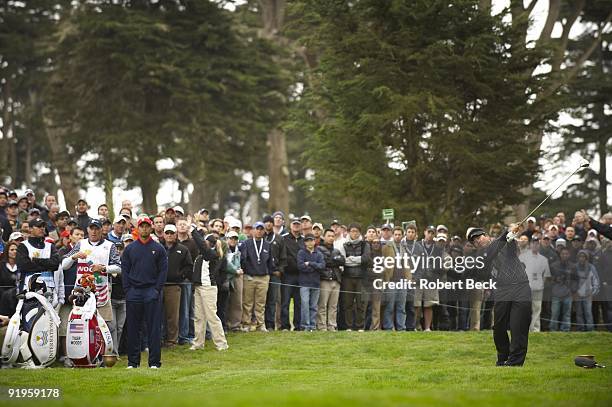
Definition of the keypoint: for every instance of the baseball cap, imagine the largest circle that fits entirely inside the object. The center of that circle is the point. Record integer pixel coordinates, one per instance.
(16, 235)
(592, 232)
(561, 242)
(63, 214)
(278, 213)
(37, 222)
(144, 219)
(335, 222)
(235, 223)
(258, 224)
(296, 220)
(120, 218)
(95, 223)
(441, 227)
(12, 203)
(82, 200)
(28, 192)
(531, 219)
(34, 210)
(231, 234)
(385, 226)
(442, 237)
(318, 225)
(268, 218)
(431, 228)
(105, 221)
(180, 209)
(456, 237)
(171, 209)
(170, 228)
(551, 227)
(309, 236)
(126, 237)
(306, 217)
(203, 210)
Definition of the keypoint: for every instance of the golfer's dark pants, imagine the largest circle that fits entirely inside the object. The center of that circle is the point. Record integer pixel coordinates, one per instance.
(516, 316)
(144, 305)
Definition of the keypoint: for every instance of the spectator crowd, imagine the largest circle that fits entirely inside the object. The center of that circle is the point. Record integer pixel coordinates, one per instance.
(226, 276)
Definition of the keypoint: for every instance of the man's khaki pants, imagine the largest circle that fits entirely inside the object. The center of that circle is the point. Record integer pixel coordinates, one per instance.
(205, 312)
(328, 305)
(475, 304)
(536, 309)
(172, 304)
(255, 290)
(235, 304)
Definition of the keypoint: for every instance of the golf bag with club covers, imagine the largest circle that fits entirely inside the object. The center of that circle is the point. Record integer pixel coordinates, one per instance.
(31, 339)
(88, 337)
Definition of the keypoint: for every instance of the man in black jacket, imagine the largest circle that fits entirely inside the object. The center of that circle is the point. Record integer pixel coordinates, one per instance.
(279, 255)
(357, 261)
(293, 243)
(331, 277)
(179, 266)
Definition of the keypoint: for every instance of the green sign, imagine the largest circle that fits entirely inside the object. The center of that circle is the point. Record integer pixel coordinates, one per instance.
(388, 214)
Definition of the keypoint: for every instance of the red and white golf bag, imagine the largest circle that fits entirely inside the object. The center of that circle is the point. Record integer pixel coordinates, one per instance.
(31, 339)
(88, 337)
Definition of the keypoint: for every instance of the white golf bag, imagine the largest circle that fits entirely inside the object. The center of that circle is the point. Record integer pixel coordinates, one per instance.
(88, 337)
(31, 339)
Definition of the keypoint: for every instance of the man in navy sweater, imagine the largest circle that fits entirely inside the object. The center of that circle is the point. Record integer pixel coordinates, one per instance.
(257, 263)
(144, 268)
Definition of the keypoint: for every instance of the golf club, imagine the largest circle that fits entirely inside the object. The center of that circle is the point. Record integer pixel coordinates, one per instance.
(583, 164)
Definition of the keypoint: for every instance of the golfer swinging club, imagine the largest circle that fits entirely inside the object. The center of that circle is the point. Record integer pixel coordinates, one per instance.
(512, 296)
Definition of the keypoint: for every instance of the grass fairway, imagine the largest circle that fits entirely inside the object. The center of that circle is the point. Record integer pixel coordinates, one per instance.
(349, 368)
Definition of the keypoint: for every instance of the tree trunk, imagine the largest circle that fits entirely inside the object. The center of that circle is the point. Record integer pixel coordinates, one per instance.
(64, 164)
(273, 14)
(278, 167)
(6, 125)
(149, 184)
(603, 182)
(108, 190)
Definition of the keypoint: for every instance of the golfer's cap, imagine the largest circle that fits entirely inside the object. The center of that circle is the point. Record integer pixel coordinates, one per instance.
(65, 233)
(560, 242)
(306, 217)
(170, 228)
(248, 226)
(296, 220)
(472, 233)
(127, 237)
(258, 224)
(535, 238)
(37, 222)
(179, 209)
(441, 228)
(144, 219)
(531, 219)
(577, 239)
(95, 223)
(16, 236)
(231, 234)
(318, 225)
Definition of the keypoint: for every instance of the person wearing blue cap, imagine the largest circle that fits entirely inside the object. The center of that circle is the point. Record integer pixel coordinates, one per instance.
(257, 263)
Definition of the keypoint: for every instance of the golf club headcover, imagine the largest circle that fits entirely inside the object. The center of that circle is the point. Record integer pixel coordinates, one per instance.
(586, 362)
